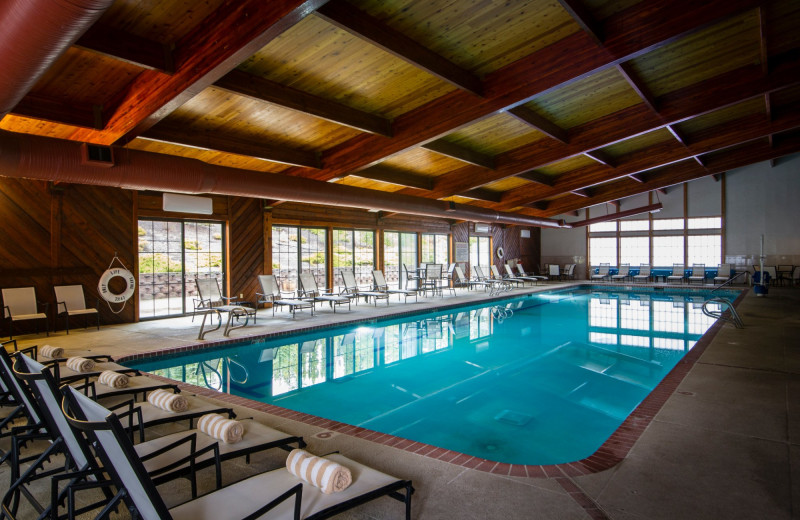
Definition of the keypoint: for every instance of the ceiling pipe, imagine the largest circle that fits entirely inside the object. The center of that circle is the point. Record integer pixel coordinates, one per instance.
(48, 159)
(33, 34)
(653, 208)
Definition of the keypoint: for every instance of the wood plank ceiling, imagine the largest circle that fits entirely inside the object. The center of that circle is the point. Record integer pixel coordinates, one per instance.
(536, 107)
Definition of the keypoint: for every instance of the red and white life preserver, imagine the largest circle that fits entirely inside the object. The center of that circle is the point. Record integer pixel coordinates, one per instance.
(105, 292)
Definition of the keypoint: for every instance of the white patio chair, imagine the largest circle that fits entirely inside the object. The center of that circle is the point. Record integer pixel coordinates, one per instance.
(20, 304)
(70, 302)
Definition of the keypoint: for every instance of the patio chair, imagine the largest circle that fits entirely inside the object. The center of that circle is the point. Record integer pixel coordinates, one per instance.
(511, 279)
(677, 273)
(412, 275)
(164, 458)
(20, 304)
(70, 302)
(209, 295)
(602, 272)
(309, 289)
(554, 272)
(351, 289)
(698, 273)
(644, 274)
(623, 273)
(271, 293)
(523, 274)
(462, 280)
(433, 279)
(723, 273)
(510, 275)
(382, 286)
(569, 272)
(277, 492)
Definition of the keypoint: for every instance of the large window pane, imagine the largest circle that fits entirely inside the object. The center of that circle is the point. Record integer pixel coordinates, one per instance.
(313, 246)
(398, 249)
(480, 253)
(667, 251)
(603, 226)
(353, 250)
(661, 224)
(434, 249)
(705, 249)
(705, 223)
(634, 250)
(284, 256)
(602, 251)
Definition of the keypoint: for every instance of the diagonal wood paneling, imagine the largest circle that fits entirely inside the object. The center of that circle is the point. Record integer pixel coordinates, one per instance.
(246, 237)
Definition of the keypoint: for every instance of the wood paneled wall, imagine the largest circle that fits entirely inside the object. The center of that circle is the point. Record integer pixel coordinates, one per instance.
(68, 234)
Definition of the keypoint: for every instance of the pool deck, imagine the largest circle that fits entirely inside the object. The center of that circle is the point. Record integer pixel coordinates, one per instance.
(720, 437)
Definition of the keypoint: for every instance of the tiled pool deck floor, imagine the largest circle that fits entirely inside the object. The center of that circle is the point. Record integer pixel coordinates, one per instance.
(718, 439)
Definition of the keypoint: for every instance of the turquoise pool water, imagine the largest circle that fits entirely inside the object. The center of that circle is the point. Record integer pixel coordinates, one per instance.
(538, 379)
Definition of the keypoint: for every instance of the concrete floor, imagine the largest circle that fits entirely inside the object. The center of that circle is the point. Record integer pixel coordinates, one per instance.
(726, 444)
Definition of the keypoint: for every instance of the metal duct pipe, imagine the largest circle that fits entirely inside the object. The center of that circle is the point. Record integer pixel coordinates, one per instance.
(33, 34)
(42, 158)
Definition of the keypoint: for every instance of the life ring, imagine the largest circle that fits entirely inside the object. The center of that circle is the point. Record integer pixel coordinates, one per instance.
(105, 292)
(500, 252)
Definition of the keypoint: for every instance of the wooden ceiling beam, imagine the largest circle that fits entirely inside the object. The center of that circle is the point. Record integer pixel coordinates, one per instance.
(358, 23)
(584, 19)
(122, 45)
(222, 142)
(637, 85)
(531, 118)
(713, 139)
(763, 43)
(638, 177)
(614, 203)
(642, 27)
(243, 84)
(214, 47)
(601, 157)
(541, 205)
(538, 178)
(483, 194)
(677, 135)
(456, 151)
(582, 192)
(392, 176)
(40, 107)
(680, 173)
(707, 96)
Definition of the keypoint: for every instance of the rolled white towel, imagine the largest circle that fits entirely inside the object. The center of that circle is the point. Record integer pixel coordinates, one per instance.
(217, 426)
(168, 401)
(51, 351)
(325, 474)
(113, 379)
(79, 364)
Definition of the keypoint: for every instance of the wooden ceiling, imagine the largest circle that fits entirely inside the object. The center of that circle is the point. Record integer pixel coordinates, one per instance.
(536, 107)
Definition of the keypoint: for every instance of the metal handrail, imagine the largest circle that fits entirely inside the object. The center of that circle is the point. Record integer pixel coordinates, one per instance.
(729, 281)
(734, 316)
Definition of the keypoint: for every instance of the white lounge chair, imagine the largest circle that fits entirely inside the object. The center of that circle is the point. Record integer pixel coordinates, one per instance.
(602, 272)
(622, 274)
(698, 273)
(351, 289)
(71, 302)
(644, 274)
(310, 290)
(523, 274)
(271, 293)
(723, 273)
(382, 286)
(20, 304)
(511, 279)
(277, 493)
(677, 273)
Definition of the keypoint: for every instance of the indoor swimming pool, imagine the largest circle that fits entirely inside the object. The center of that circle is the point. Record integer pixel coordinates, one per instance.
(541, 378)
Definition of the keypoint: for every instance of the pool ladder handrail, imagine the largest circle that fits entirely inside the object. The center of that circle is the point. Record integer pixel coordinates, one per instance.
(734, 316)
(729, 281)
(499, 287)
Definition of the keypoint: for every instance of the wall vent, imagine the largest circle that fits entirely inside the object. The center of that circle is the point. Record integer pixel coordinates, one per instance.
(96, 155)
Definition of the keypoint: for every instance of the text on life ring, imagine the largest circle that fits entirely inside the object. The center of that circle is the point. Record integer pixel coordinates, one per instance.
(105, 292)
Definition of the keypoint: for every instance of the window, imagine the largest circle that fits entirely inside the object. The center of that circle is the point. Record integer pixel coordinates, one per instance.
(634, 250)
(480, 253)
(603, 226)
(665, 224)
(353, 250)
(172, 254)
(602, 250)
(398, 249)
(667, 250)
(705, 223)
(634, 225)
(435, 249)
(705, 249)
(296, 250)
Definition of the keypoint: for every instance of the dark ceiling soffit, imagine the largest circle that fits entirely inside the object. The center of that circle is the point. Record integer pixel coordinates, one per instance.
(42, 158)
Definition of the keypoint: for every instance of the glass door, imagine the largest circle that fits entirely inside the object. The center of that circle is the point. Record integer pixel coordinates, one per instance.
(172, 254)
